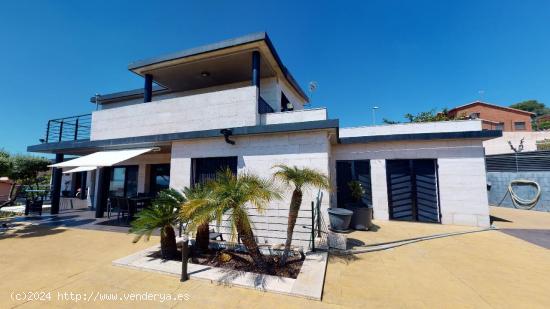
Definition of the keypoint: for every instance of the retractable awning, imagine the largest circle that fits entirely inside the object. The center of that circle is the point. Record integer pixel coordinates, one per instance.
(102, 158)
(80, 169)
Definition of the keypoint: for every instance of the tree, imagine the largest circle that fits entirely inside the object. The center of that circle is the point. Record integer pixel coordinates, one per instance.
(427, 116)
(196, 199)
(162, 214)
(232, 195)
(299, 179)
(532, 106)
(23, 170)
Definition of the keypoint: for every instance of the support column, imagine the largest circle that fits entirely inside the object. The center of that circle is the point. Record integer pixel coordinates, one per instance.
(83, 191)
(148, 88)
(102, 191)
(256, 69)
(56, 185)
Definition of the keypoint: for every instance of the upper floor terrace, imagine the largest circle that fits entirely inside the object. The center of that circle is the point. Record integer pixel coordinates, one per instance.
(234, 83)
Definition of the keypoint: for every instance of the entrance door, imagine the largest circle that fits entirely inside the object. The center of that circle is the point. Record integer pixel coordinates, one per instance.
(347, 171)
(413, 190)
(205, 169)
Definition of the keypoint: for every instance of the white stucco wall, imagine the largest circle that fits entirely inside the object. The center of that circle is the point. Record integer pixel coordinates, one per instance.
(413, 128)
(500, 144)
(213, 110)
(257, 154)
(462, 179)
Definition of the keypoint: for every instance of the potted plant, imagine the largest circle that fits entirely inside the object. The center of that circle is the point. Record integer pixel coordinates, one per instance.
(362, 214)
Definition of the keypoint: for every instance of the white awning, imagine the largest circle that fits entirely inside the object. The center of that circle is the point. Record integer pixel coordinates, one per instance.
(80, 169)
(103, 158)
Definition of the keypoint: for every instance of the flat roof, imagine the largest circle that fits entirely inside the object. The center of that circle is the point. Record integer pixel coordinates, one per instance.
(225, 44)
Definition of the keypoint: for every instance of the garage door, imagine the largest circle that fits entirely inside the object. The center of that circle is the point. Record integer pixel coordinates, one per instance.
(413, 190)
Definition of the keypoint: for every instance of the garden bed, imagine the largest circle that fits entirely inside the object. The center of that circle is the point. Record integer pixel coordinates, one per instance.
(239, 260)
(308, 283)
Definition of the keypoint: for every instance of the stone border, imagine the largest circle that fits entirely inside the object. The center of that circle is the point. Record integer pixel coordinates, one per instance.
(308, 284)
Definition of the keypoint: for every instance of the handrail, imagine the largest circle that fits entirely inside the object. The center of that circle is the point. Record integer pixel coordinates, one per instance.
(68, 128)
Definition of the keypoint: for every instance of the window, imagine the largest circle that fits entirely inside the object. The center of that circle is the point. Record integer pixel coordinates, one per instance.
(160, 178)
(123, 181)
(475, 115)
(500, 126)
(519, 125)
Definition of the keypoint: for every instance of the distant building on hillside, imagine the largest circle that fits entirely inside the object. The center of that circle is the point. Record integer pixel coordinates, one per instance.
(495, 117)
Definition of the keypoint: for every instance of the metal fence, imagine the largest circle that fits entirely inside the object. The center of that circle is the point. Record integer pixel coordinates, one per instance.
(68, 129)
(531, 161)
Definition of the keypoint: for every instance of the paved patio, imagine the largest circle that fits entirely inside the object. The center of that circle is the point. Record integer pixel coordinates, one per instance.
(479, 270)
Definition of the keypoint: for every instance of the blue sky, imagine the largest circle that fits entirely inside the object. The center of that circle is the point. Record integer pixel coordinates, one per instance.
(403, 56)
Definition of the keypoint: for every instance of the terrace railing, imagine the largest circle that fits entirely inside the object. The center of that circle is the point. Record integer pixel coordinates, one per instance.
(69, 128)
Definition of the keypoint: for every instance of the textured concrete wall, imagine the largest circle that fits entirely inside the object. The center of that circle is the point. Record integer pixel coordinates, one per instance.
(411, 128)
(461, 175)
(213, 110)
(499, 186)
(295, 116)
(257, 154)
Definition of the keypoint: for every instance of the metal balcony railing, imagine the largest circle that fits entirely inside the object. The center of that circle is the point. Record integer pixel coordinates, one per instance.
(69, 128)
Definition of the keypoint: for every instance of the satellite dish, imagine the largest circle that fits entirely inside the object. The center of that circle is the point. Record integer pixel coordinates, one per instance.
(312, 86)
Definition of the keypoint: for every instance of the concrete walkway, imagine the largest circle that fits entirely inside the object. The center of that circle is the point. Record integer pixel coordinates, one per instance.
(480, 270)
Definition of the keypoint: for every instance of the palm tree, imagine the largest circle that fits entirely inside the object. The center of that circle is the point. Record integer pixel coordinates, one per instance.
(300, 179)
(162, 214)
(231, 195)
(196, 198)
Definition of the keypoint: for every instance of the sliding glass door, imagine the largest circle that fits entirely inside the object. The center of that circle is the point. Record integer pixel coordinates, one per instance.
(124, 181)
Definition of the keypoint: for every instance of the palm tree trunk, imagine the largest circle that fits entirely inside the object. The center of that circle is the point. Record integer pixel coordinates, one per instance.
(168, 248)
(295, 204)
(203, 237)
(247, 237)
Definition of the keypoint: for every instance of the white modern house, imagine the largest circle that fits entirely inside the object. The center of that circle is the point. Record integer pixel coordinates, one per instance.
(234, 104)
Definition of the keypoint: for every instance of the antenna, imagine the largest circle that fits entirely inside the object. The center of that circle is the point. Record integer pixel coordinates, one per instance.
(481, 93)
(312, 88)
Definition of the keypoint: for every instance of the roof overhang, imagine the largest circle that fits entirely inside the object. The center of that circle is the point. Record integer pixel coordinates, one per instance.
(483, 135)
(165, 140)
(224, 62)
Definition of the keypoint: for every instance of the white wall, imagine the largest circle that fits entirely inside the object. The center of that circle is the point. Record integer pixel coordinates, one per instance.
(411, 128)
(462, 179)
(257, 154)
(213, 110)
(500, 144)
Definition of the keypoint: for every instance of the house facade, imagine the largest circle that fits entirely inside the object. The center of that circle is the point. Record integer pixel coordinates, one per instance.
(495, 117)
(233, 104)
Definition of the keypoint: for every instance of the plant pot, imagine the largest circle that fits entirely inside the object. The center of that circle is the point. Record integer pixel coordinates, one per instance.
(339, 218)
(362, 218)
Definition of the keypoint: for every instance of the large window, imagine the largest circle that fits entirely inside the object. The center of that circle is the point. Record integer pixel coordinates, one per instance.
(205, 169)
(160, 178)
(519, 125)
(500, 126)
(123, 181)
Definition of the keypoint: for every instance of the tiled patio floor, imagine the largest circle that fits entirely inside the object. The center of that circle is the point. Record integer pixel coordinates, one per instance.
(479, 270)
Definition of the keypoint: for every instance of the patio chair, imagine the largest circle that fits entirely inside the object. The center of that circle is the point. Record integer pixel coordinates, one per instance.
(111, 204)
(123, 208)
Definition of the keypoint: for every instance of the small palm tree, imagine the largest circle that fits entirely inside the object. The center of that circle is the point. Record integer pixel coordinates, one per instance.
(230, 195)
(299, 178)
(162, 214)
(196, 199)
